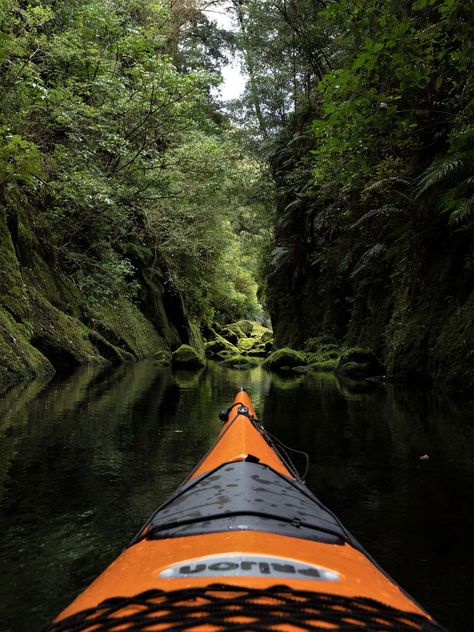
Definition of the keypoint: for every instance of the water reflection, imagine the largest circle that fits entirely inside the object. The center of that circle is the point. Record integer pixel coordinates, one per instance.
(84, 460)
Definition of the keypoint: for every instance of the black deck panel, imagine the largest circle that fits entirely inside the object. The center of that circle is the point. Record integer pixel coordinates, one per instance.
(243, 495)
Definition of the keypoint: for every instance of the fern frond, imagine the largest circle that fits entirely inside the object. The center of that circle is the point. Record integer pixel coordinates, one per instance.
(385, 211)
(368, 257)
(439, 171)
(390, 180)
(292, 206)
(278, 257)
(464, 210)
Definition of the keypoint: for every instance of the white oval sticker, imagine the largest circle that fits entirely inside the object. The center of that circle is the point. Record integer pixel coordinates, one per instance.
(242, 565)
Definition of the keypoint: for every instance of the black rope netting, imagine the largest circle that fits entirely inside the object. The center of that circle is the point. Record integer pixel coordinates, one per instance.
(221, 607)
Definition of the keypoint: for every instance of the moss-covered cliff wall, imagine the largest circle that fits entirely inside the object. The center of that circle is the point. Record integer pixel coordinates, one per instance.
(47, 325)
(366, 116)
(412, 301)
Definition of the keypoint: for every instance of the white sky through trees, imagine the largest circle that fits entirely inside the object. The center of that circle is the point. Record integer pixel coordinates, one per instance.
(234, 79)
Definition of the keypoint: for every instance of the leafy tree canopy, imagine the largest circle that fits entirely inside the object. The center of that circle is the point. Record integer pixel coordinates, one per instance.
(110, 139)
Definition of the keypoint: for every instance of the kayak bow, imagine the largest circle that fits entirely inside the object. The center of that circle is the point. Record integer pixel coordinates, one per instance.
(243, 545)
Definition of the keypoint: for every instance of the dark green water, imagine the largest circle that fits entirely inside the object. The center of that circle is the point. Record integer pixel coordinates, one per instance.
(84, 461)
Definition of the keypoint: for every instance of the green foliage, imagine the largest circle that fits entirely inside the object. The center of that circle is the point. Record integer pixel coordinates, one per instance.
(399, 84)
(450, 179)
(372, 156)
(109, 139)
(20, 161)
(284, 358)
(186, 357)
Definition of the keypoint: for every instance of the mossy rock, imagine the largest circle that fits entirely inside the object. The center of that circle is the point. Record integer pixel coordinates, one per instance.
(64, 340)
(246, 344)
(224, 354)
(259, 330)
(18, 358)
(283, 358)
(258, 352)
(195, 338)
(216, 327)
(208, 332)
(324, 366)
(358, 364)
(230, 335)
(324, 356)
(124, 325)
(267, 336)
(234, 328)
(187, 357)
(246, 326)
(214, 347)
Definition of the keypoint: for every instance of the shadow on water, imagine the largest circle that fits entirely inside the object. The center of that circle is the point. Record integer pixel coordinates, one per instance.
(85, 459)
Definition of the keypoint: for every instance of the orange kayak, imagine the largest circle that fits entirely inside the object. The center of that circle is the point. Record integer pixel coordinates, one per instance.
(243, 545)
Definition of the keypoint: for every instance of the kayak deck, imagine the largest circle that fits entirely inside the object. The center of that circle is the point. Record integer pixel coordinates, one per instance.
(243, 544)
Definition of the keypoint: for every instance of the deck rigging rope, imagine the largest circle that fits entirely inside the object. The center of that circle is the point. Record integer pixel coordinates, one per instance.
(281, 448)
(223, 607)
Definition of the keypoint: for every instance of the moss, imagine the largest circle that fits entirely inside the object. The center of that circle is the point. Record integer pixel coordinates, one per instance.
(214, 347)
(195, 337)
(240, 361)
(246, 326)
(224, 354)
(230, 335)
(61, 338)
(453, 353)
(124, 326)
(58, 290)
(187, 357)
(268, 346)
(216, 327)
(248, 336)
(40, 319)
(357, 363)
(245, 344)
(284, 358)
(18, 358)
(324, 366)
(257, 352)
(235, 329)
(323, 356)
(46, 323)
(12, 288)
(267, 336)
(259, 331)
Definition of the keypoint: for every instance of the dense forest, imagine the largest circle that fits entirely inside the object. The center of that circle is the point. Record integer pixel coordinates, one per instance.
(335, 196)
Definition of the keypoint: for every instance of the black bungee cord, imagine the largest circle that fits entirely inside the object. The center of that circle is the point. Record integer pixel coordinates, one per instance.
(281, 447)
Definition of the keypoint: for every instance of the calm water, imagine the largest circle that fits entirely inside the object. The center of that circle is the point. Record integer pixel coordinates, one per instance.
(84, 461)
